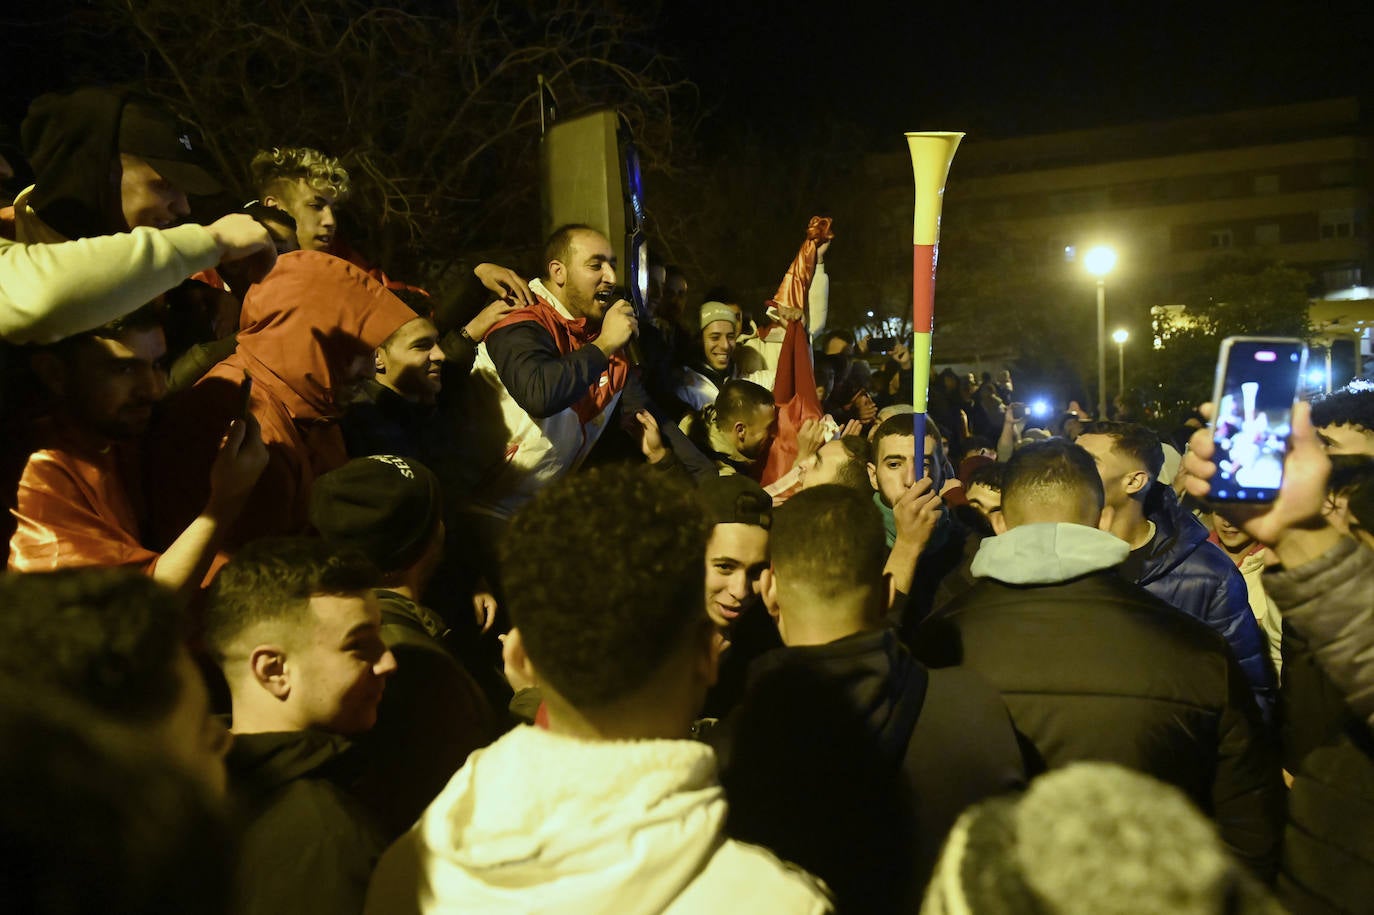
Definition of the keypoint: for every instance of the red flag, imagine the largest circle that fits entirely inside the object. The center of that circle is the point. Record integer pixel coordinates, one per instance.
(794, 388)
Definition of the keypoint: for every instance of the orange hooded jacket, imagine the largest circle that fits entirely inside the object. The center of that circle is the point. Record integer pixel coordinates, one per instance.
(301, 328)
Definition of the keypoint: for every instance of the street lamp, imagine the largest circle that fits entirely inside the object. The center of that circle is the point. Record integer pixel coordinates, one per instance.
(1119, 336)
(1099, 261)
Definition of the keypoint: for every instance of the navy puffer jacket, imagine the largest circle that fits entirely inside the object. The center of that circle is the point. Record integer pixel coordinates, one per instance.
(1193, 575)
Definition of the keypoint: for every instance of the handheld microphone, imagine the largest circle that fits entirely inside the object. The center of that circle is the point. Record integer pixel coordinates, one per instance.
(633, 354)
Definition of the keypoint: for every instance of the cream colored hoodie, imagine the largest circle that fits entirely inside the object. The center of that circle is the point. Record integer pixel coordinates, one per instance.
(543, 823)
(51, 288)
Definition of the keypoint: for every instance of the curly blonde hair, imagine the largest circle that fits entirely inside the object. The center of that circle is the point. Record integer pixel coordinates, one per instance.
(272, 168)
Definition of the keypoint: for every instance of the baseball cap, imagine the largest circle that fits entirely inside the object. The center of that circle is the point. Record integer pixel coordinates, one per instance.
(154, 135)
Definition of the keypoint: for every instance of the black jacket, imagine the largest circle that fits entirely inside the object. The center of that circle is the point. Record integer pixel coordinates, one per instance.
(1094, 668)
(854, 761)
(308, 847)
(432, 715)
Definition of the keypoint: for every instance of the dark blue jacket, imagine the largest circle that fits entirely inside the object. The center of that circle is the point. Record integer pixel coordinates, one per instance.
(1192, 575)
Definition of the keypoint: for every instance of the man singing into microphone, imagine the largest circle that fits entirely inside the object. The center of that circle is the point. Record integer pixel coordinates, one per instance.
(548, 379)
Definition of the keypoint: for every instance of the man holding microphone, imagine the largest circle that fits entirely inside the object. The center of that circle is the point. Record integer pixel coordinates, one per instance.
(549, 377)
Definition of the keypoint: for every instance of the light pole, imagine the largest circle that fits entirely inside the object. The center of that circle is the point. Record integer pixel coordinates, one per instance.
(1120, 337)
(1099, 261)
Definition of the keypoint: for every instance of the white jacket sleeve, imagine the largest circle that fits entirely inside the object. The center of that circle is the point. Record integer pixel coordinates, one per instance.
(51, 291)
(818, 301)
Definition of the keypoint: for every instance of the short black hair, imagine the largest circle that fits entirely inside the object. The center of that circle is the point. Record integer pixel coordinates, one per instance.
(146, 317)
(829, 538)
(1049, 472)
(977, 442)
(738, 399)
(1346, 407)
(854, 473)
(559, 244)
(273, 579)
(900, 424)
(108, 638)
(990, 475)
(1352, 476)
(1138, 442)
(604, 578)
(419, 302)
(94, 822)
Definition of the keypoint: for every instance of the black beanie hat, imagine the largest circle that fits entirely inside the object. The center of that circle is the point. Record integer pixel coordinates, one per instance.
(383, 505)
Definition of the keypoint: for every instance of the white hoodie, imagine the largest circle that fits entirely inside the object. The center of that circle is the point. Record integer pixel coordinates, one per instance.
(540, 822)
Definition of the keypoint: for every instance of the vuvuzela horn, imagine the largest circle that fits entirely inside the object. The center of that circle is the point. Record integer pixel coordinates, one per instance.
(931, 154)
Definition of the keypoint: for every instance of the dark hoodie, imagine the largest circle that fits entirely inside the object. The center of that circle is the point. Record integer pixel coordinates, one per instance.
(300, 328)
(72, 142)
(853, 760)
(307, 845)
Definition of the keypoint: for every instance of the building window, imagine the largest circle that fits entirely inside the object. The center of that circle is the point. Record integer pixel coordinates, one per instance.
(1336, 174)
(1224, 186)
(1222, 238)
(1267, 234)
(1266, 184)
(1338, 224)
(1079, 201)
(1341, 279)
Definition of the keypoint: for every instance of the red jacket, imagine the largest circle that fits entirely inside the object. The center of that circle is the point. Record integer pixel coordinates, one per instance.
(300, 329)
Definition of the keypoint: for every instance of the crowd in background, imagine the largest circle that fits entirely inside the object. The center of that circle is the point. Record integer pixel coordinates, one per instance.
(329, 593)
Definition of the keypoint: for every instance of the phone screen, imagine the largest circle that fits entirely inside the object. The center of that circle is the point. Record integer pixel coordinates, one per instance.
(1257, 381)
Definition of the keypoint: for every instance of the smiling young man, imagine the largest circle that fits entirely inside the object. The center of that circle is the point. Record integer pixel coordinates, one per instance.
(105, 161)
(395, 411)
(711, 366)
(740, 514)
(296, 628)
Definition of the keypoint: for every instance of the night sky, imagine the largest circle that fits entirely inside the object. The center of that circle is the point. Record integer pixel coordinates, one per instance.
(1011, 69)
(993, 69)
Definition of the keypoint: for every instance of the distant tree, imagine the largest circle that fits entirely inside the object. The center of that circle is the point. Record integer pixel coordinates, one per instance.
(432, 106)
(1239, 294)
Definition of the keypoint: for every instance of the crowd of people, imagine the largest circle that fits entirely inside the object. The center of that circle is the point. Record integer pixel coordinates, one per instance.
(328, 593)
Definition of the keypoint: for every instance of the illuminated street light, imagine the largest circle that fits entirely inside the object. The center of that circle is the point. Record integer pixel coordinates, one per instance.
(1120, 336)
(1099, 261)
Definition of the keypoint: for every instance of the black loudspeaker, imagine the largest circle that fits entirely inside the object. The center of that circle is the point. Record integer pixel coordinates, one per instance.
(589, 173)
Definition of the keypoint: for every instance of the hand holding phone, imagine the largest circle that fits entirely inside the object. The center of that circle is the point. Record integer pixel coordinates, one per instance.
(1258, 380)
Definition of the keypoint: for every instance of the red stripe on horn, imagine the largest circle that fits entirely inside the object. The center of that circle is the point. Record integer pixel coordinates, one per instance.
(923, 288)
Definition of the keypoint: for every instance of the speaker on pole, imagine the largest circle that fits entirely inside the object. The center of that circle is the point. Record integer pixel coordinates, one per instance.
(589, 173)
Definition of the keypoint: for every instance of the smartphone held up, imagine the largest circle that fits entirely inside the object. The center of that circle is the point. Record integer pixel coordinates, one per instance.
(1258, 381)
